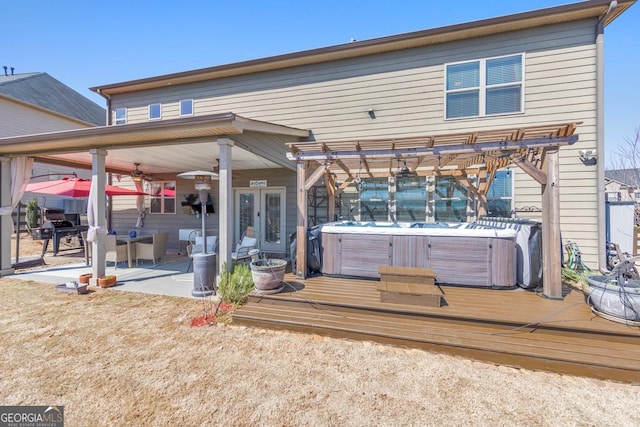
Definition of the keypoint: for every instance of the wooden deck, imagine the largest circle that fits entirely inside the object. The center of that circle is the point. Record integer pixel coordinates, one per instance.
(510, 327)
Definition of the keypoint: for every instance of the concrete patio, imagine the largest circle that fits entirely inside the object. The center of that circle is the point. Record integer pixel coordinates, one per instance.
(168, 277)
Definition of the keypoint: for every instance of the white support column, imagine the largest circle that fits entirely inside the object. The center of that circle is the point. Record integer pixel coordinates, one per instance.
(99, 176)
(6, 226)
(225, 244)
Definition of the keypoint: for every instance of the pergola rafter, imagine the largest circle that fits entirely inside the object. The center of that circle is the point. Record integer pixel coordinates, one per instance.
(533, 149)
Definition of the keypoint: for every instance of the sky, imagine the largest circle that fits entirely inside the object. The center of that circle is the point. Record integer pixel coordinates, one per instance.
(91, 43)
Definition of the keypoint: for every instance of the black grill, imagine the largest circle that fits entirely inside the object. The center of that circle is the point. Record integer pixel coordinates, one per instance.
(57, 225)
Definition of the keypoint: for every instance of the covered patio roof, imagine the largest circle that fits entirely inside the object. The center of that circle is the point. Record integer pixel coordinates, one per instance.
(534, 149)
(165, 146)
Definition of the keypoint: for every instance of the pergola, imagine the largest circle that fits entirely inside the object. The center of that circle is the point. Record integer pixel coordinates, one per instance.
(468, 157)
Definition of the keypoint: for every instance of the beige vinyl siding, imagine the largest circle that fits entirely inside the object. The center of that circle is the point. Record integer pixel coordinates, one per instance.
(406, 91)
(18, 119)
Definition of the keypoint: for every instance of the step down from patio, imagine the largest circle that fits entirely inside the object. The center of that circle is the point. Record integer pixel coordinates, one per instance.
(409, 285)
(560, 345)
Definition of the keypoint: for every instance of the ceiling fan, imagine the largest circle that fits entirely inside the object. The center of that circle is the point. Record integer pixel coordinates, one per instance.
(404, 171)
(138, 175)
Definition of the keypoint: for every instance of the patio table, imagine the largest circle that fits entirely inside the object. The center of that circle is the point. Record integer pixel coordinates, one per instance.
(130, 244)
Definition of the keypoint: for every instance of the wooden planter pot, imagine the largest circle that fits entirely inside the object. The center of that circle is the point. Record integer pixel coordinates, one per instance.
(107, 282)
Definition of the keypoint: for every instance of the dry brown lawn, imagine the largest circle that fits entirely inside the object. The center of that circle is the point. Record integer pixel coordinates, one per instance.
(119, 358)
(116, 358)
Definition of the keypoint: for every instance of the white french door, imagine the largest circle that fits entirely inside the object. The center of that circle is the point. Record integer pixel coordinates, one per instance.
(264, 210)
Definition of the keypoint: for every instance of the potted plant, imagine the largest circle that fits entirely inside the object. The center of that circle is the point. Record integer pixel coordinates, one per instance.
(107, 281)
(31, 214)
(84, 278)
(268, 274)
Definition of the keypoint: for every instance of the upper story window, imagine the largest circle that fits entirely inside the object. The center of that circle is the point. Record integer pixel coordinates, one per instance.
(155, 112)
(121, 116)
(484, 87)
(186, 107)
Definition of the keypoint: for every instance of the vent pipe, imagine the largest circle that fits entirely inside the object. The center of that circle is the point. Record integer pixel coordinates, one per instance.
(5, 70)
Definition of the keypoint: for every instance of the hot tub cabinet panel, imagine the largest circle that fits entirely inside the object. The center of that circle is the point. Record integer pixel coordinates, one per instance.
(470, 257)
(364, 255)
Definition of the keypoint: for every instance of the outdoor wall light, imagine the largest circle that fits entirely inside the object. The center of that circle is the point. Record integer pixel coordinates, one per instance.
(588, 156)
(372, 113)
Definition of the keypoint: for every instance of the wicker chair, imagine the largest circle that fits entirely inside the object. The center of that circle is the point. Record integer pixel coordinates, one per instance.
(114, 252)
(156, 250)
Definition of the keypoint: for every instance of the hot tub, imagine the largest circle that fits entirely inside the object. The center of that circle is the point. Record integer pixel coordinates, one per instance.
(458, 254)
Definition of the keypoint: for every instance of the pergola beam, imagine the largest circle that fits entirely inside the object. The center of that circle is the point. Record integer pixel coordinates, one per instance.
(531, 170)
(447, 150)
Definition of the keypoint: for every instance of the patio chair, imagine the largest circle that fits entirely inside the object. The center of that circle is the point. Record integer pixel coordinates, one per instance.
(114, 252)
(156, 250)
(242, 249)
(196, 247)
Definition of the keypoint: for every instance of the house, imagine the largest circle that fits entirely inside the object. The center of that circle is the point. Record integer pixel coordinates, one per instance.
(441, 104)
(32, 103)
(622, 185)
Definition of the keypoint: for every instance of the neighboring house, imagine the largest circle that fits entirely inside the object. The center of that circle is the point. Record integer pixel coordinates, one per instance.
(538, 68)
(32, 103)
(622, 185)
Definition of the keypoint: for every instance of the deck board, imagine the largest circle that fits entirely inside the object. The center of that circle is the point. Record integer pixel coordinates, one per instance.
(514, 327)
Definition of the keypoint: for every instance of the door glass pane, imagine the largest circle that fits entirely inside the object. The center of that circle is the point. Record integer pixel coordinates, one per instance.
(247, 209)
(272, 218)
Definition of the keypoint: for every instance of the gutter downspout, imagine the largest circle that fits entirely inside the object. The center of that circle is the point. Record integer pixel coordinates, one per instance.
(600, 142)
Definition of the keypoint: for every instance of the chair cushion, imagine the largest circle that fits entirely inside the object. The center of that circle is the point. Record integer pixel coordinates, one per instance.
(247, 242)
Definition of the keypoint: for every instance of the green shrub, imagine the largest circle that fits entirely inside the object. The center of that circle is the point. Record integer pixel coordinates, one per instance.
(31, 214)
(236, 285)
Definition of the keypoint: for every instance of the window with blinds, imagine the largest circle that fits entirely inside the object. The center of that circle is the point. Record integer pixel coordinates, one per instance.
(484, 87)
